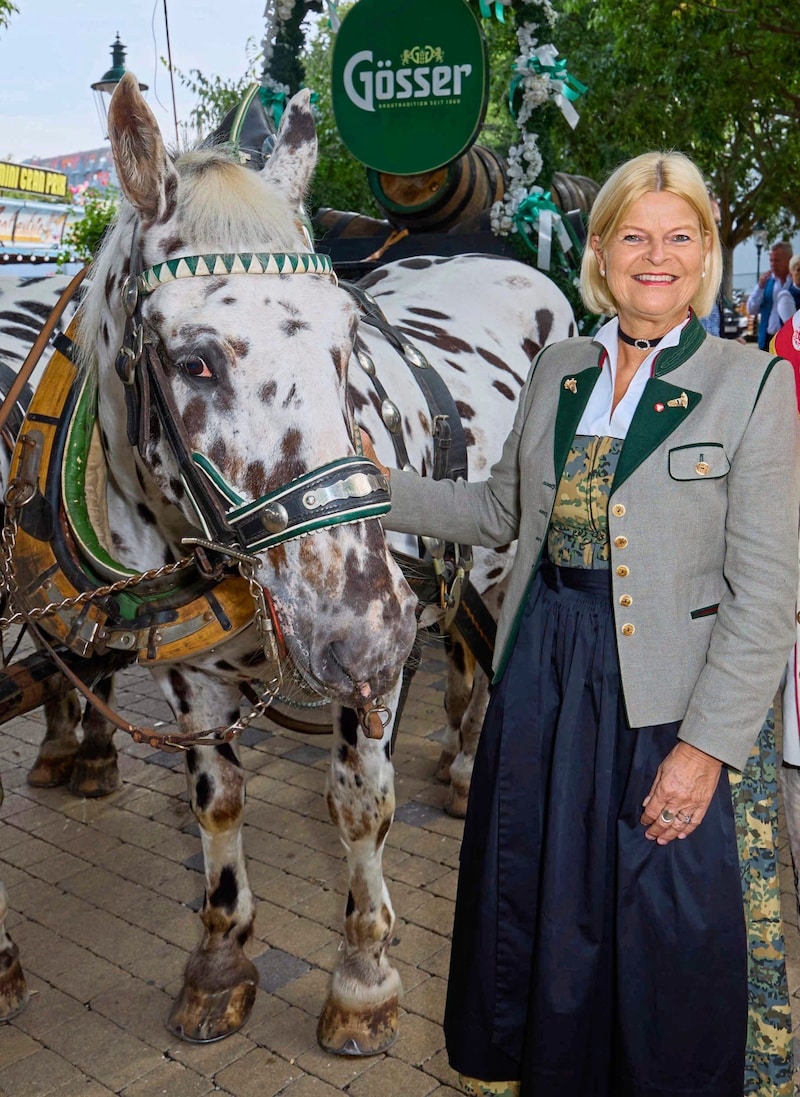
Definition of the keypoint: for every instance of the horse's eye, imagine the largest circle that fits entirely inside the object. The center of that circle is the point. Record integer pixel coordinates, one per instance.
(195, 367)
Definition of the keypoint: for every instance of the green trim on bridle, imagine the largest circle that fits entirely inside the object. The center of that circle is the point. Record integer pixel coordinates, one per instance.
(247, 262)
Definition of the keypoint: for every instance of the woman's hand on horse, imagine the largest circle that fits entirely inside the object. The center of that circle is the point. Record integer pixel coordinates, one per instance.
(680, 794)
(369, 452)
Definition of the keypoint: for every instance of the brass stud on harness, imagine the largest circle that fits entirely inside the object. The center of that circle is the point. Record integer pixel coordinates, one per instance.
(274, 518)
(391, 416)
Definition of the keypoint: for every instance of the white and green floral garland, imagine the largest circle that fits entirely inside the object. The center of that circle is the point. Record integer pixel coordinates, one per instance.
(526, 208)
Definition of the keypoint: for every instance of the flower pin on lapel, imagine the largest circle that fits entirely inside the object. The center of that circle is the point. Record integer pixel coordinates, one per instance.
(571, 384)
(681, 401)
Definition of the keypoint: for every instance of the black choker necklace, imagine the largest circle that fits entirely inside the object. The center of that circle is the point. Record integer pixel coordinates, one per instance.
(640, 344)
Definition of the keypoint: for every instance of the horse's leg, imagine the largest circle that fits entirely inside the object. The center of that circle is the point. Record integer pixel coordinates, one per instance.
(458, 687)
(220, 982)
(466, 701)
(360, 1014)
(56, 757)
(96, 772)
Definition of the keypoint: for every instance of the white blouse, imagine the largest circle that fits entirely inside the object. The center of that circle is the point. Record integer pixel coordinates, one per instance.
(597, 418)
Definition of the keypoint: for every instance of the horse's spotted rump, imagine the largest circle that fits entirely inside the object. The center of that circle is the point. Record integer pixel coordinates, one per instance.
(531, 348)
(544, 322)
(432, 314)
(497, 361)
(435, 336)
(416, 263)
(504, 390)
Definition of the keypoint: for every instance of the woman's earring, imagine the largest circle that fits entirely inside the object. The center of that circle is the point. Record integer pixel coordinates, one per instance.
(602, 272)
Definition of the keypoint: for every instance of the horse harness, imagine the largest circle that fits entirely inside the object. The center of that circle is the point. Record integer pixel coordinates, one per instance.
(149, 616)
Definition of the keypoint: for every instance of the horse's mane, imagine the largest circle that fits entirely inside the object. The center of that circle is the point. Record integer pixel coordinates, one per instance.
(223, 206)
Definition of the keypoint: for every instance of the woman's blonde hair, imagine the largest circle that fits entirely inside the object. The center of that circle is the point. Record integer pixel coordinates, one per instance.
(794, 262)
(652, 171)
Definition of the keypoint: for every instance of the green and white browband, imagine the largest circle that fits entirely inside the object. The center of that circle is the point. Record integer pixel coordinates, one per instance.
(255, 262)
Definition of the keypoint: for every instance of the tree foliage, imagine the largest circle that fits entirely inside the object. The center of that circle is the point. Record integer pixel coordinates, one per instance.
(715, 79)
(7, 9)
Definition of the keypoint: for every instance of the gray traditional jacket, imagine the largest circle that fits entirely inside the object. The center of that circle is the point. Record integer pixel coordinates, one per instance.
(703, 522)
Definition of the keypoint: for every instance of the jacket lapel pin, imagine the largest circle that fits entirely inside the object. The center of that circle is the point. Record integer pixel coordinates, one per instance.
(681, 401)
(571, 384)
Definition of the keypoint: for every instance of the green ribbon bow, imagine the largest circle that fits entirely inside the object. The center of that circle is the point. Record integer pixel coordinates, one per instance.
(567, 88)
(274, 101)
(499, 5)
(538, 216)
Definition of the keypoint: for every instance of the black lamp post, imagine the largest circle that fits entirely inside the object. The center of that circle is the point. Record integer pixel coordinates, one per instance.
(760, 240)
(105, 86)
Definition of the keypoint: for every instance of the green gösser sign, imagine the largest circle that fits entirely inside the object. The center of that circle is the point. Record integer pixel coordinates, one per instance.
(409, 83)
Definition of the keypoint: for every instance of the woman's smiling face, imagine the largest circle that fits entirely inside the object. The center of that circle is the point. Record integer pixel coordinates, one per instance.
(654, 263)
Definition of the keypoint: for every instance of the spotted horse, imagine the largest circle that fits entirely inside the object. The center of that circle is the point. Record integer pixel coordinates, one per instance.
(224, 374)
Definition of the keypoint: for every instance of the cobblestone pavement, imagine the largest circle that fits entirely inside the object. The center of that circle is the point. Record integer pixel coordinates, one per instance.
(104, 896)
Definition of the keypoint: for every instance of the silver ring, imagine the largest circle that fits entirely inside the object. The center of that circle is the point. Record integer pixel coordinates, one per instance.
(684, 818)
(666, 815)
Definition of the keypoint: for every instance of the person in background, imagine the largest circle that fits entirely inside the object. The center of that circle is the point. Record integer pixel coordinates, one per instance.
(615, 915)
(789, 298)
(763, 301)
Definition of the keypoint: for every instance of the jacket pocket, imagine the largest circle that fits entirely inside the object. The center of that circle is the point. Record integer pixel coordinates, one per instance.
(699, 461)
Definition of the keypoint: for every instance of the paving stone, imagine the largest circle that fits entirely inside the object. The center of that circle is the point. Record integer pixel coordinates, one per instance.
(102, 896)
(172, 1079)
(277, 968)
(258, 1073)
(42, 1074)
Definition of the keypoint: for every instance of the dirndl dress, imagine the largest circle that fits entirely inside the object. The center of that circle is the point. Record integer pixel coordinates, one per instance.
(588, 961)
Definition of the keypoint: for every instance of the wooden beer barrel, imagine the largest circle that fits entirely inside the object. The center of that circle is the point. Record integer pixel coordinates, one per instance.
(436, 201)
(573, 191)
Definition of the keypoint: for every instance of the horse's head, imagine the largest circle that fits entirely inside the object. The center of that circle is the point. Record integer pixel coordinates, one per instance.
(241, 390)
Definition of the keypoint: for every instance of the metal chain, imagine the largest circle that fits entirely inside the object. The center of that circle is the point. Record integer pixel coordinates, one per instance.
(247, 569)
(8, 539)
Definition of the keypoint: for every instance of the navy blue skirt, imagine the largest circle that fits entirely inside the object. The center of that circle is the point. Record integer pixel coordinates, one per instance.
(588, 961)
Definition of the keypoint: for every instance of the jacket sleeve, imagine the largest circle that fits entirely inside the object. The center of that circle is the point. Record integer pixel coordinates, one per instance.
(755, 625)
(484, 512)
(754, 300)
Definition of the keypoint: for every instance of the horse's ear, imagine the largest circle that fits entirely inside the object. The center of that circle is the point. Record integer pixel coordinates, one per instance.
(295, 154)
(146, 174)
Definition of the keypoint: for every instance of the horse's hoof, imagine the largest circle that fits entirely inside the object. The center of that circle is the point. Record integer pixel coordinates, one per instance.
(446, 759)
(367, 1030)
(456, 803)
(201, 1016)
(13, 988)
(93, 777)
(51, 769)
